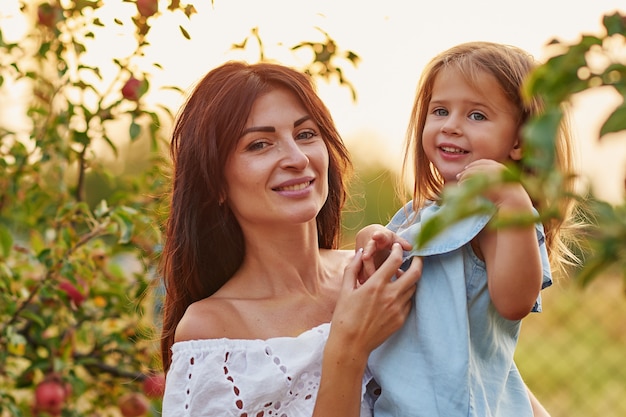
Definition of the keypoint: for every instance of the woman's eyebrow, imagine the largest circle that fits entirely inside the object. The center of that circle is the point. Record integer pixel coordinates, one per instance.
(272, 128)
(301, 120)
(258, 129)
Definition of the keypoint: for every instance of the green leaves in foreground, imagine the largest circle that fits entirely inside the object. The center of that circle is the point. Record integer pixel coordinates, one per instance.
(607, 242)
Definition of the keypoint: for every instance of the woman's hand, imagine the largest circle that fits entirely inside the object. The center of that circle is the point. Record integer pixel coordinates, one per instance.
(372, 311)
(365, 316)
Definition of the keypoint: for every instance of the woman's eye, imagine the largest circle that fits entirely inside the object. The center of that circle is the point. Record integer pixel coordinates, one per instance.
(257, 145)
(307, 134)
(477, 116)
(440, 112)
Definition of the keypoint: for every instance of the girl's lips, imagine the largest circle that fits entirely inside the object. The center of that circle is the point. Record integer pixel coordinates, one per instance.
(452, 150)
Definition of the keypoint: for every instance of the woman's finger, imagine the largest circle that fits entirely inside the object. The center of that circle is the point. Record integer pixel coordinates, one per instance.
(352, 271)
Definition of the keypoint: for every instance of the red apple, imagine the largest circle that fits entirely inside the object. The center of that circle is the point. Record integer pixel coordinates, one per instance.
(46, 15)
(72, 292)
(154, 385)
(132, 89)
(147, 8)
(50, 395)
(133, 404)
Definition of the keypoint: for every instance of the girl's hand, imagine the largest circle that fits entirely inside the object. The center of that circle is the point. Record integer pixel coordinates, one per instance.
(376, 241)
(509, 196)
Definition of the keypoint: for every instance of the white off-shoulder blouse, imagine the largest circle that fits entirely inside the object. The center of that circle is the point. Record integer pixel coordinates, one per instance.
(277, 377)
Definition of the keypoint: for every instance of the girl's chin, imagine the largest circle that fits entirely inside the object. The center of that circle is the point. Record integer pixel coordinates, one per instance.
(450, 180)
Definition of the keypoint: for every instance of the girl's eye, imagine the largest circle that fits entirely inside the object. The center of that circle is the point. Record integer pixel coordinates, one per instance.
(477, 116)
(306, 134)
(440, 112)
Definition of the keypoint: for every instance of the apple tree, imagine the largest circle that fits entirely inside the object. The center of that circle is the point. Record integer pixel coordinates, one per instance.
(79, 241)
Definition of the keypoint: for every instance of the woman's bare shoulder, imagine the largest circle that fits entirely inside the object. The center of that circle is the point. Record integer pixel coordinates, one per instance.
(206, 319)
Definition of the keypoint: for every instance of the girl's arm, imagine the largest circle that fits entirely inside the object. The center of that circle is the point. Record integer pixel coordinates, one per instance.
(511, 253)
(364, 317)
(538, 409)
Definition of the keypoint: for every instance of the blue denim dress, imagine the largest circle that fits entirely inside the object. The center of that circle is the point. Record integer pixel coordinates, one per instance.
(454, 355)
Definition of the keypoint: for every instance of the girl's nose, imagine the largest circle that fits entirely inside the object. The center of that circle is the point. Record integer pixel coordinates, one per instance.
(451, 126)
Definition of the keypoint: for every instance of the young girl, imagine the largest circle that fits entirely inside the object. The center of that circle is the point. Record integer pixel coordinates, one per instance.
(454, 354)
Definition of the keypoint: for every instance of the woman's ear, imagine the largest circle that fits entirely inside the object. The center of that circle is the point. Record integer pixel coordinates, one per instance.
(222, 198)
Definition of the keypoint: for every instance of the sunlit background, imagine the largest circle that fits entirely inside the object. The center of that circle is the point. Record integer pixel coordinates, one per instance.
(394, 39)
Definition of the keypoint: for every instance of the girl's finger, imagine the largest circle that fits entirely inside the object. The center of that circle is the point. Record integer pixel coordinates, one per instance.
(390, 265)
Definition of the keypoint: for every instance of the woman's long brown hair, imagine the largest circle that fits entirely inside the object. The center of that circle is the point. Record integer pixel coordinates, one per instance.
(203, 241)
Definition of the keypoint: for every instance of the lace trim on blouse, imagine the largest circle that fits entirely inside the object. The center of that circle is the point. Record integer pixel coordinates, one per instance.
(277, 377)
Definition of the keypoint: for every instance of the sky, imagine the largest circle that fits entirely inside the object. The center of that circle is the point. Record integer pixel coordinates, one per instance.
(394, 39)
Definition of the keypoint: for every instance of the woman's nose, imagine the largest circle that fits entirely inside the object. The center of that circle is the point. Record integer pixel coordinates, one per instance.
(293, 156)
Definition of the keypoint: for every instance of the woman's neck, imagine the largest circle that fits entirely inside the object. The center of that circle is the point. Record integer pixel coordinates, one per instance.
(283, 260)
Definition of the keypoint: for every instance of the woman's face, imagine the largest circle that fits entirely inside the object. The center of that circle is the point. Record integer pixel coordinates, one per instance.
(278, 172)
(466, 123)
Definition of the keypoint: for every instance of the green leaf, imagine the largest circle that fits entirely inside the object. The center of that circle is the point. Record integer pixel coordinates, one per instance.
(616, 122)
(184, 32)
(125, 226)
(6, 242)
(81, 137)
(615, 24)
(44, 257)
(34, 318)
(101, 209)
(459, 203)
(134, 130)
(539, 140)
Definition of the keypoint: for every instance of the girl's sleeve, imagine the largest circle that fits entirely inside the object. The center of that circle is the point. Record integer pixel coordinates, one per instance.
(545, 262)
(400, 219)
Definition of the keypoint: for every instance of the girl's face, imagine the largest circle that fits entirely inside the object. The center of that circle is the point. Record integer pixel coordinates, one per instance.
(278, 172)
(465, 123)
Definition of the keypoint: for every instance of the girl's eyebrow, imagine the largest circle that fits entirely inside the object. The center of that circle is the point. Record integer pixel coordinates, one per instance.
(272, 128)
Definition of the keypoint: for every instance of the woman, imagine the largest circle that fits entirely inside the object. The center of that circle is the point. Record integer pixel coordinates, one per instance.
(252, 273)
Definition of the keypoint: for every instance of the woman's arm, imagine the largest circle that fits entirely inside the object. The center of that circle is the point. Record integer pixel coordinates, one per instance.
(365, 316)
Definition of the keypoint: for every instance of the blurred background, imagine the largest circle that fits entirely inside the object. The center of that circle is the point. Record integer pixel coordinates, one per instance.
(573, 354)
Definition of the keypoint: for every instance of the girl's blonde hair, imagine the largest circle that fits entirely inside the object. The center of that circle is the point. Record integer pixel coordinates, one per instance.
(510, 66)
